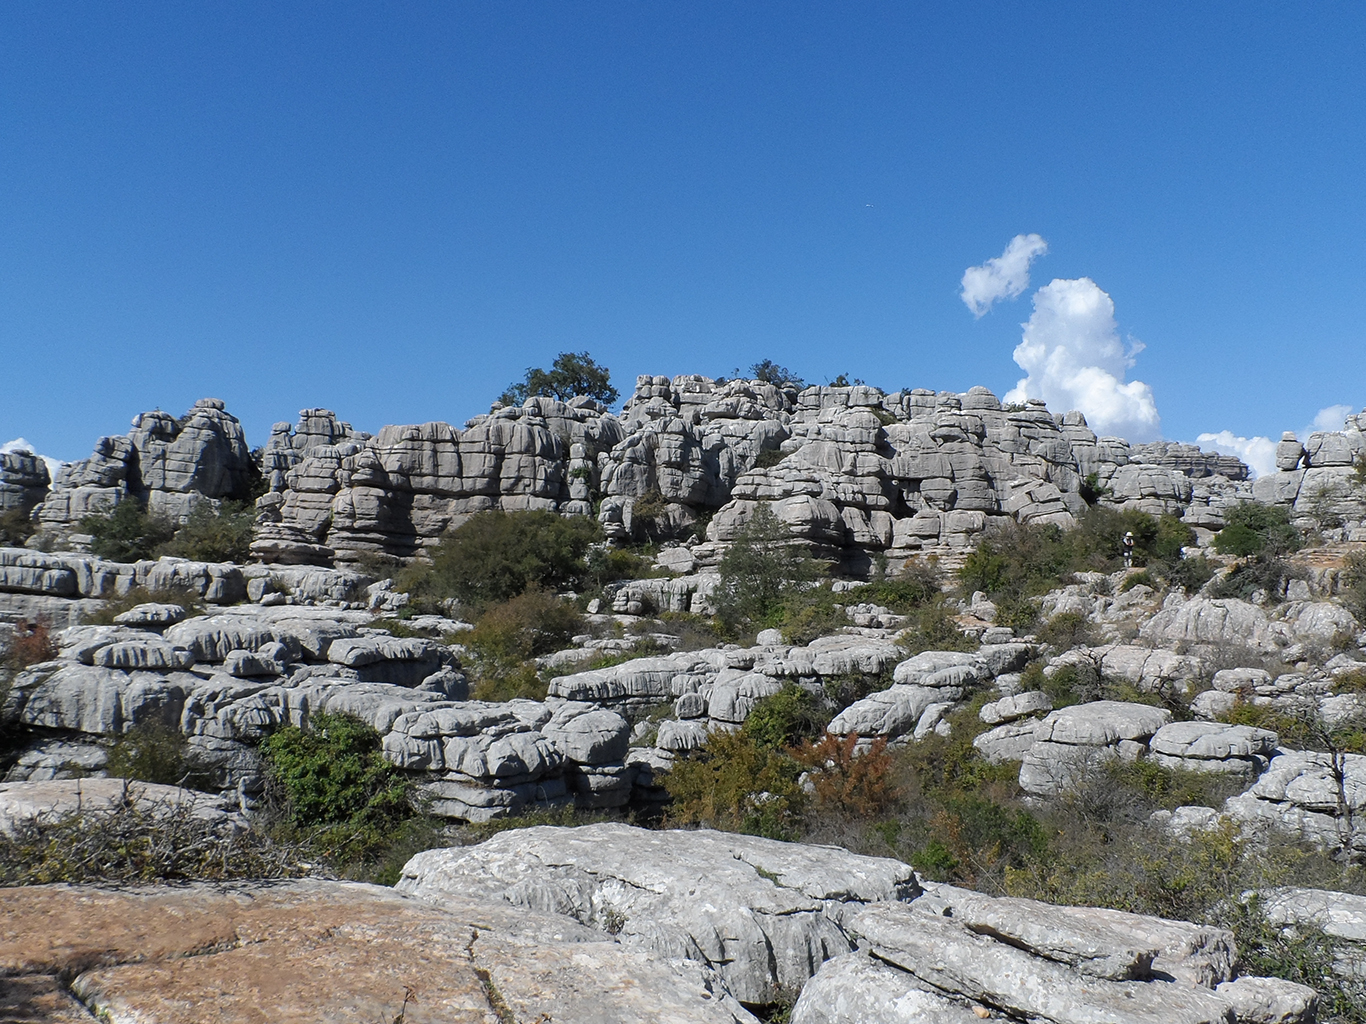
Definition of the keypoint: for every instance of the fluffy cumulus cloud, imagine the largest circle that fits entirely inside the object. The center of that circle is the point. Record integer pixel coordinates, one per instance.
(1005, 277)
(1073, 358)
(1258, 452)
(1330, 417)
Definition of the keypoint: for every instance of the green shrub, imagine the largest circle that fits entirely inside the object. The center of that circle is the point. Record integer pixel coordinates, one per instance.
(153, 752)
(1265, 573)
(571, 375)
(1143, 578)
(1353, 584)
(1190, 574)
(528, 625)
(759, 572)
(1067, 630)
(769, 372)
(737, 784)
(913, 588)
(1252, 528)
(494, 556)
(786, 718)
(15, 528)
(768, 457)
(128, 533)
(607, 565)
(222, 534)
(335, 789)
(934, 628)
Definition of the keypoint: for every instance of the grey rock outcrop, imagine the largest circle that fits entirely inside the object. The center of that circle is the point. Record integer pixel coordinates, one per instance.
(169, 464)
(765, 915)
(954, 956)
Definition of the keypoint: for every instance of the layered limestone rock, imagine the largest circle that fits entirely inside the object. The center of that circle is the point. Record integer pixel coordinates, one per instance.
(168, 464)
(1319, 479)
(852, 471)
(954, 956)
(765, 915)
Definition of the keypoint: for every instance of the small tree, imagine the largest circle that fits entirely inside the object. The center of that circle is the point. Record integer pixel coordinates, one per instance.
(758, 571)
(770, 372)
(571, 375)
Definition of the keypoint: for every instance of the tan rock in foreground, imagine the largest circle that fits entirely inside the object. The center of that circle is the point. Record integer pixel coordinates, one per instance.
(312, 950)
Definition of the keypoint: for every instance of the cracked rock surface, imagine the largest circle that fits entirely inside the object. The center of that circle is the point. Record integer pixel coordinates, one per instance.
(764, 914)
(310, 950)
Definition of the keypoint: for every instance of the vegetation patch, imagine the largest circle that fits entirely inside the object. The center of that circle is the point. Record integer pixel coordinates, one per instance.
(495, 556)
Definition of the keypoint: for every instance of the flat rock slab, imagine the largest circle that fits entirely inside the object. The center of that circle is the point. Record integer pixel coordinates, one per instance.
(55, 798)
(311, 950)
(765, 914)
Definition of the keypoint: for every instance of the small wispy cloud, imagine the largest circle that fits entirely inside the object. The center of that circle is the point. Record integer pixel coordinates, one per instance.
(1258, 452)
(1073, 359)
(1004, 277)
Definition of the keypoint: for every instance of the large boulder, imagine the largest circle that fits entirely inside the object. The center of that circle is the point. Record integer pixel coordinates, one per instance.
(764, 914)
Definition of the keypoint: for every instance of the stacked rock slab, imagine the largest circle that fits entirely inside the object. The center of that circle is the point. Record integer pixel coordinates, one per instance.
(170, 464)
(852, 471)
(1318, 479)
(954, 956)
(24, 481)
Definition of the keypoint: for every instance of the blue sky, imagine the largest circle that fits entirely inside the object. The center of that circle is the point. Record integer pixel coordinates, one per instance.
(393, 210)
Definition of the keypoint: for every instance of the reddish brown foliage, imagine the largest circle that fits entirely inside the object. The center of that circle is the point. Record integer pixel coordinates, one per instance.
(31, 644)
(858, 784)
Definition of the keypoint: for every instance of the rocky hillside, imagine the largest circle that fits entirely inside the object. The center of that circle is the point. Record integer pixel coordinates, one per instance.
(683, 773)
(854, 471)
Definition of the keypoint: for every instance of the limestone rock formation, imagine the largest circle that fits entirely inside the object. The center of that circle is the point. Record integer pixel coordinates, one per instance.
(765, 915)
(169, 464)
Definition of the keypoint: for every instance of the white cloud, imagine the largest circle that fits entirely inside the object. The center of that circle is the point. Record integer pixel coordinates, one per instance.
(23, 447)
(1005, 277)
(1330, 417)
(1073, 359)
(1258, 452)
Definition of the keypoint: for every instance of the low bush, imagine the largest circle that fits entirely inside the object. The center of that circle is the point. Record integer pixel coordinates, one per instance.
(760, 571)
(135, 843)
(113, 607)
(1190, 574)
(934, 628)
(222, 534)
(15, 528)
(847, 782)
(1067, 630)
(30, 644)
(1254, 528)
(494, 556)
(528, 625)
(1263, 573)
(737, 784)
(128, 533)
(153, 752)
(786, 718)
(334, 792)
